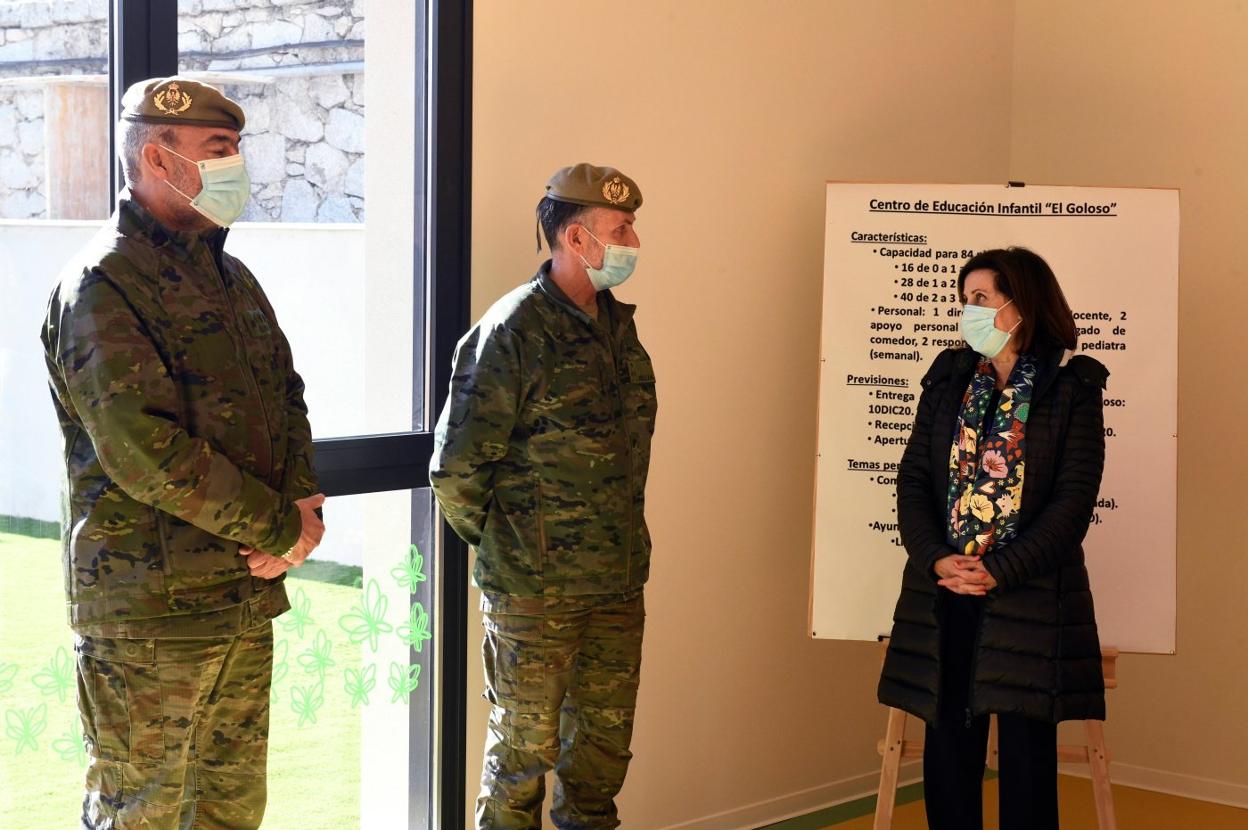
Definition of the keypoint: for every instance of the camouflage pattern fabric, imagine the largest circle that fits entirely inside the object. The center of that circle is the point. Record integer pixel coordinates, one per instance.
(176, 731)
(185, 433)
(542, 450)
(563, 680)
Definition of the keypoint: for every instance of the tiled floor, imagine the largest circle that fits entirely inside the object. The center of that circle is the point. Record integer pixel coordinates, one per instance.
(1136, 810)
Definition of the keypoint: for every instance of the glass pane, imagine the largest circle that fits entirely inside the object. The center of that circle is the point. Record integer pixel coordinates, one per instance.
(42, 759)
(352, 677)
(297, 69)
(54, 114)
(342, 289)
(54, 164)
(353, 668)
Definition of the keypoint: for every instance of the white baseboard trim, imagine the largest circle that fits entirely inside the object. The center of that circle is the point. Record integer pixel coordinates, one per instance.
(803, 802)
(1170, 783)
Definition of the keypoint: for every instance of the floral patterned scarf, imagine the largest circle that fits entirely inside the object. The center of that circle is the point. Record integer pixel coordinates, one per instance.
(986, 471)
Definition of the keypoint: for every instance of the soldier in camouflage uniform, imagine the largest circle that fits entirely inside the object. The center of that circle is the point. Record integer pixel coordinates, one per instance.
(188, 465)
(540, 463)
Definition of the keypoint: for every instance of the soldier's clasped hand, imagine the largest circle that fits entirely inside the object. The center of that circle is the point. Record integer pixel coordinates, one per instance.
(269, 566)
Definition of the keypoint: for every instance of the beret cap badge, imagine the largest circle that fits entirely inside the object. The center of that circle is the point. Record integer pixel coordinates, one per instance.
(615, 191)
(172, 100)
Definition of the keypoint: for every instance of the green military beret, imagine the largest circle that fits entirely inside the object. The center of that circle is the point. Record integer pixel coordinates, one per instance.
(585, 184)
(181, 101)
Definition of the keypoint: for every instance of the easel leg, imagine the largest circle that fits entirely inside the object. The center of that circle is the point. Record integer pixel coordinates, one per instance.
(994, 754)
(1098, 760)
(890, 769)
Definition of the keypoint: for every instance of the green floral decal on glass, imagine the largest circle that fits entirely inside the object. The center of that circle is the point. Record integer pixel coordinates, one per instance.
(58, 678)
(281, 651)
(316, 659)
(359, 683)
(416, 630)
(412, 571)
(25, 725)
(403, 681)
(299, 617)
(8, 674)
(368, 620)
(69, 746)
(305, 701)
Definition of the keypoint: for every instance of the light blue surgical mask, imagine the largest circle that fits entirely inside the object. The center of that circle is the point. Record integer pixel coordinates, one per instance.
(618, 262)
(226, 188)
(979, 329)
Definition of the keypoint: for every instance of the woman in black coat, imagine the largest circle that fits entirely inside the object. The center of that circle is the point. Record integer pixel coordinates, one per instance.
(995, 492)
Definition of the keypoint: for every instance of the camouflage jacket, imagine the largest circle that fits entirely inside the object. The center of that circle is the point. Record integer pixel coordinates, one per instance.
(541, 453)
(185, 433)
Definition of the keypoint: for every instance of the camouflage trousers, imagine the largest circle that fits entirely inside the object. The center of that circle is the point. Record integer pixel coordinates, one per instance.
(176, 731)
(563, 683)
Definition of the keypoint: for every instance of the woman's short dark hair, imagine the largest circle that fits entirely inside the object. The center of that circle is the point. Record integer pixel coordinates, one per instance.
(1025, 278)
(554, 215)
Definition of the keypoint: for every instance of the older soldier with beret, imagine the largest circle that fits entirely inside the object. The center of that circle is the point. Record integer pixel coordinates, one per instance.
(540, 463)
(190, 489)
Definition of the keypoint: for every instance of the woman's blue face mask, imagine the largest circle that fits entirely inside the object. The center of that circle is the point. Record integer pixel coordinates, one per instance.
(979, 329)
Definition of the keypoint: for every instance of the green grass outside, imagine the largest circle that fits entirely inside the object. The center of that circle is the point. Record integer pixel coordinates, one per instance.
(314, 768)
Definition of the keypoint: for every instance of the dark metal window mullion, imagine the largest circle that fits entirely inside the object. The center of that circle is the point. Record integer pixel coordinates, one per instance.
(373, 463)
(142, 43)
(450, 137)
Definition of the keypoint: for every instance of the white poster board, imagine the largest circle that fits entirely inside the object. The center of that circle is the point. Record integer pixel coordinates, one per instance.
(891, 260)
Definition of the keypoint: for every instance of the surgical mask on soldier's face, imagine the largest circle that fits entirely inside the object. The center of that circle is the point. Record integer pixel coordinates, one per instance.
(226, 188)
(618, 262)
(979, 329)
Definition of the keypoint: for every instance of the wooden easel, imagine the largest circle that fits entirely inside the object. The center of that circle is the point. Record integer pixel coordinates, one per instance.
(895, 748)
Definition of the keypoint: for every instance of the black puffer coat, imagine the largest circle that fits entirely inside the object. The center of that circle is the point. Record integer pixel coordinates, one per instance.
(1037, 653)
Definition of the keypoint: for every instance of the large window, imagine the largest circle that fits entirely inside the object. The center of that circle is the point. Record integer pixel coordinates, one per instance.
(54, 165)
(366, 267)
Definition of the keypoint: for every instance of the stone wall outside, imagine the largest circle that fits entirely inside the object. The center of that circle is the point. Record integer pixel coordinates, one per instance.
(296, 66)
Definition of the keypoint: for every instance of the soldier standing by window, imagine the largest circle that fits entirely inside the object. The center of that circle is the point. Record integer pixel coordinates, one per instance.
(540, 463)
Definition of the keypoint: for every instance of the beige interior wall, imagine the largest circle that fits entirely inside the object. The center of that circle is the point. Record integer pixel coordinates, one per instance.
(1129, 93)
(730, 115)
